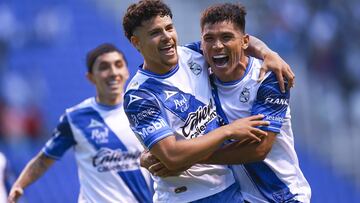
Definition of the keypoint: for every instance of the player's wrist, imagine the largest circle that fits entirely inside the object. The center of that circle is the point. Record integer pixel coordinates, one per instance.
(269, 53)
(18, 189)
(225, 132)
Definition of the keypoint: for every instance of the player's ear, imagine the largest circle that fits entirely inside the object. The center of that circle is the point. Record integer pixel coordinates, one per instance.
(90, 77)
(246, 40)
(135, 42)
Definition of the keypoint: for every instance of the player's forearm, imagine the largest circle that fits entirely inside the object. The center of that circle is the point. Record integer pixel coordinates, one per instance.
(177, 154)
(33, 170)
(241, 153)
(257, 48)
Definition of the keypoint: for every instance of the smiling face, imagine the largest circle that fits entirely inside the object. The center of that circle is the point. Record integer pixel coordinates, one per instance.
(109, 74)
(156, 39)
(223, 44)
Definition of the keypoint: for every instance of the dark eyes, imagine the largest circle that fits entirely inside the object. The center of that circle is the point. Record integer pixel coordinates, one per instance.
(224, 38)
(227, 38)
(156, 32)
(105, 65)
(208, 39)
(119, 64)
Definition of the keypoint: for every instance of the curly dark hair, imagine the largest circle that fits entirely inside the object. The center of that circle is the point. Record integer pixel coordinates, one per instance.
(142, 11)
(104, 48)
(234, 13)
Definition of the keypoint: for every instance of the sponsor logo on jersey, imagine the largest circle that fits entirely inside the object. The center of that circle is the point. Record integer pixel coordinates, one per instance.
(194, 67)
(154, 126)
(100, 135)
(274, 118)
(197, 121)
(277, 101)
(133, 98)
(144, 114)
(181, 104)
(169, 94)
(108, 160)
(244, 95)
(94, 124)
(100, 132)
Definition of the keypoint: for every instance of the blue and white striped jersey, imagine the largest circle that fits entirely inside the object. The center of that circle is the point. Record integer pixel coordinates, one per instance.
(278, 178)
(106, 151)
(178, 103)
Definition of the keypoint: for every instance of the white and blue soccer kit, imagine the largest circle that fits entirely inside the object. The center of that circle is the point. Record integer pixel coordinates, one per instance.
(106, 150)
(178, 103)
(278, 178)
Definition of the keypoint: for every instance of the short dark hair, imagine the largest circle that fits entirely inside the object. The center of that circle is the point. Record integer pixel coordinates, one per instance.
(142, 11)
(93, 54)
(231, 12)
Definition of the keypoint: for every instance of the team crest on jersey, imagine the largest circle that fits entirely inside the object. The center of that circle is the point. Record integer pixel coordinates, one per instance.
(245, 95)
(194, 67)
(99, 132)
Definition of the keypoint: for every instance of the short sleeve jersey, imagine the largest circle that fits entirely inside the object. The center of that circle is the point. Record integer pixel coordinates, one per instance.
(178, 103)
(106, 151)
(278, 178)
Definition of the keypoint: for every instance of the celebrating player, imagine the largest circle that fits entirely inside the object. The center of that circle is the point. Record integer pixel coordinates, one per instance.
(238, 94)
(170, 107)
(106, 151)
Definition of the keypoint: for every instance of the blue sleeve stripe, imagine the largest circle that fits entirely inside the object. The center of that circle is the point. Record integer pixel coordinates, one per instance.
(48, 154)
(271, 102)
(270, 129)
(61, 140)
(149, 143)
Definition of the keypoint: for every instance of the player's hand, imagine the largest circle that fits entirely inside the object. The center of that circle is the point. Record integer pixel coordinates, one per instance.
(147, 159)
(273, 62)
(155, 167)
(15, 193)
(245, 129)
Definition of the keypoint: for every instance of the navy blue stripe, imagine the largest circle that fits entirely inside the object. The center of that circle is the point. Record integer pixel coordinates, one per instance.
(61, 140)
(270, 186)
(189, 106)
(222, 116)
(133, 179)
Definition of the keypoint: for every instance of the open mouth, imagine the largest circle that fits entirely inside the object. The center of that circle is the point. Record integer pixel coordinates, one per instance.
(169, 49)
(220, 60)
(113, 83)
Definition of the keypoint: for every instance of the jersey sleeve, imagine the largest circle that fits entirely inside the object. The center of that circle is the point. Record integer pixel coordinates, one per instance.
(61, 140)
(147, 117)
(195, 46)
(272, 103)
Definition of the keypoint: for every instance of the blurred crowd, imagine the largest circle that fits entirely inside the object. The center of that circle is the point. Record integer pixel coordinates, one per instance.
(319, 39)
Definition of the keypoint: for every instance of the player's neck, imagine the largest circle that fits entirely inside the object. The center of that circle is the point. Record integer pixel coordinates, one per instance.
(109, 101)
(159, 69)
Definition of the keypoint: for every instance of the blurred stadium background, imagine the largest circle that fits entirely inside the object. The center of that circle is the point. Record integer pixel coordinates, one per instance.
(42, 72)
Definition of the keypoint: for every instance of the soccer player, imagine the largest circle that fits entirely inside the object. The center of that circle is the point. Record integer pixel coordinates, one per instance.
(107, 152)
(238, 94)
(170, 106)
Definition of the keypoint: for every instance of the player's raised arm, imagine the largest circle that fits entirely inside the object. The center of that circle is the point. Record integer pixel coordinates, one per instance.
(32, 171)
(272, 62)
